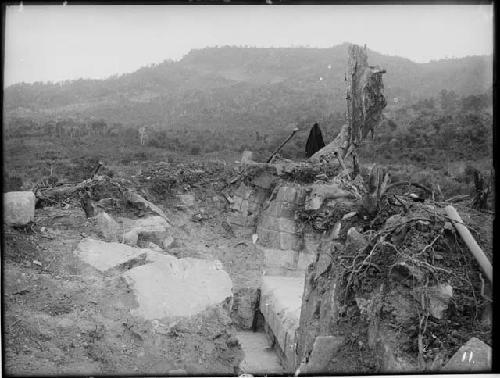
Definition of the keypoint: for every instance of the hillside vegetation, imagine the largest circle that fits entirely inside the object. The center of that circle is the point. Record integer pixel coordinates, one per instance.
(232, 88)
(217, 102)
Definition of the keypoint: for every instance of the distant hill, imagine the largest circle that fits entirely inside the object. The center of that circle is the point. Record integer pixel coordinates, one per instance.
(236, 88)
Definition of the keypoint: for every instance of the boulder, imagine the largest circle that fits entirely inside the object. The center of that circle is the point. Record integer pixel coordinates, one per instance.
(131, 237)
(105, 256)
(172, 287)
(475, 355)
(19, 207)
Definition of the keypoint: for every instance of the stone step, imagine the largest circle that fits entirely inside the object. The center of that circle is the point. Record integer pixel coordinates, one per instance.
(259, 359)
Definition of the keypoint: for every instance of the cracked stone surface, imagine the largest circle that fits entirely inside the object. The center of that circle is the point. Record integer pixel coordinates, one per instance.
(172, 287)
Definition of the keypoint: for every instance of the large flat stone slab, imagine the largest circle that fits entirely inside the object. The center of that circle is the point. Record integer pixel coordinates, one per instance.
(280, 304)
(105, 256)
(19, 207)
(172, 287)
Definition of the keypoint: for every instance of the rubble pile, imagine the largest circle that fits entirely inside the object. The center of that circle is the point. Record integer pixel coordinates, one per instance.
(163, 180)
(409, 291)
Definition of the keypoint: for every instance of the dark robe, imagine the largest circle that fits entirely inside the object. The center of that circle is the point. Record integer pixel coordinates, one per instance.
(315, 141)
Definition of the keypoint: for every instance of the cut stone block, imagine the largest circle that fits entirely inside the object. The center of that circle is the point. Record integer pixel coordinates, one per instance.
(240, 220)
(279, 209)
(171, 287)
(278, 239)
(287, 225)
(278, 258)
(290, 241)
(286, 210)
(19, 207)
(272, 209)
(280, 304)
(269, 222)
(475, 355)
(268, 238)
(305, 259)
(104, 256)
(311, 242)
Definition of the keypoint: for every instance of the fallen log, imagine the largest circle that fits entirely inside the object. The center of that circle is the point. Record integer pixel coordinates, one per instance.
(59, 193)
(471, 243)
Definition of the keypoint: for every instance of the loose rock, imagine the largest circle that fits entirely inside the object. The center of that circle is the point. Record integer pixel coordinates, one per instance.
(19, 207)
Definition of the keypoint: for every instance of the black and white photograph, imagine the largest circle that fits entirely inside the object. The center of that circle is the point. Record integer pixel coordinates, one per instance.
(260, 189)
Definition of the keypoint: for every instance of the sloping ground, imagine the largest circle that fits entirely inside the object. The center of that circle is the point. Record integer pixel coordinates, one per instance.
(360, 303)
(62, 315)
(405, 294)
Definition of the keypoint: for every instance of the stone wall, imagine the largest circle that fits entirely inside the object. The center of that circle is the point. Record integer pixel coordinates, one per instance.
(319, 302)
(277, 227)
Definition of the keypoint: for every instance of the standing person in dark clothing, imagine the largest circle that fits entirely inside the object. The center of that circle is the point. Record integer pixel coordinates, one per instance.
(315, 141)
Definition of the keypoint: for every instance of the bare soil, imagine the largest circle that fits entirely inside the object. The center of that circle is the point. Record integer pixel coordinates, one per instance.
(63, 317)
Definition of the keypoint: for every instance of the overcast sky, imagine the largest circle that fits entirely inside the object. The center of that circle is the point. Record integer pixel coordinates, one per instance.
(53, 43)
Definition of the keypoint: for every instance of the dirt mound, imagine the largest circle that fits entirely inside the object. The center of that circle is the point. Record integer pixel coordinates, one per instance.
(408, 293)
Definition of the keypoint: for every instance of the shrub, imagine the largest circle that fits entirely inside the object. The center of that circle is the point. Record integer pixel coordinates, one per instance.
(195, 150)
(12, 183)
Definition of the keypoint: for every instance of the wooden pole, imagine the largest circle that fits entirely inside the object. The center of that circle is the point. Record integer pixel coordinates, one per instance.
(471, 243)
(282, 144)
